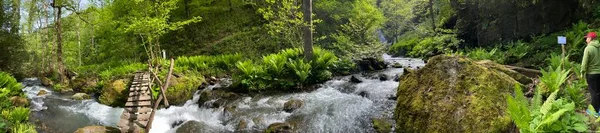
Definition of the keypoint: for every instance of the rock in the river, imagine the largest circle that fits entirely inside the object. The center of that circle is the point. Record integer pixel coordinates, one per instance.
(46, 81)
(397, 65)
(292, 105)
(242, 125)
(364, 94)
(195, 127)
(453, 94)
(182, 88)
(114, 93)
(396, 78)
(381, 125)
(221, 95)
(370, 64)
(19, 101)
(382, 77)
(42, 92)
(353, 79)
(279, 128)
(80, 96)
(97, 129)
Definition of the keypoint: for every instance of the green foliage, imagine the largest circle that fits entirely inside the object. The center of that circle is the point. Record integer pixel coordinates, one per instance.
(206, 64)
(483, 54)
(8, 87)
(122, 71)
(16, 115)
(554, 115)
(286, 69)
(553, 79)
(23, 128)
(575, 92)
(416, 45)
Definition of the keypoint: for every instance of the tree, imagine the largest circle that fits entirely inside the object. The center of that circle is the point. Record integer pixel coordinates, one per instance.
(11, 44)
(58, 5)
(307, 31)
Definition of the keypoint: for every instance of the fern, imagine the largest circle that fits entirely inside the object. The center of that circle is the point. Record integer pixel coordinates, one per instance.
(517, 108)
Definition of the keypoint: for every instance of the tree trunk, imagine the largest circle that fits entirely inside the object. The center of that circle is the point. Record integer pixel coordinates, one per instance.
(307, 37)
(59, 56)
(431, 13)
(79, 42)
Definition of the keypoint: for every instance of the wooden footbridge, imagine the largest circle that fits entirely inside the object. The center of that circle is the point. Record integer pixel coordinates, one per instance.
(138, 112)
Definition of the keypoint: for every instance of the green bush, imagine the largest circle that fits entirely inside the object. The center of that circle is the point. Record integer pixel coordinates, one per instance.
(206, 64)
(426, 45)
(286, 69)
(122, 71)
(23, 128)
(552, 79)
(10, 84)
(16, 115)
(554, 115)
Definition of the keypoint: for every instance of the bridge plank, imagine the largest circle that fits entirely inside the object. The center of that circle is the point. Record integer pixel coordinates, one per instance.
(135, 117)
(139, 93)
(138, 104)
(139, 98)
(140, 110)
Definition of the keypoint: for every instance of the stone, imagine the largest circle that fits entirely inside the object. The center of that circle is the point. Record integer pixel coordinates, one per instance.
(19, 101)
(114, 93)
(364, 94)
(397, 65)
(382, 77)
(371, 64)
(292, 105)
(396, 78)
(176, 123)
(182, 88)
(353, 79)
(242, 125)
(42, 92)
(381, 125)
(195, 127)
(98, 129)
(259, 122)
(46, 81)
(80, 96)
(453, 94)
(222, 97)
(279, 127)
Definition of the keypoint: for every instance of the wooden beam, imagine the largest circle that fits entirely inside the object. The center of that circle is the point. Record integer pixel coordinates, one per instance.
(164, 88)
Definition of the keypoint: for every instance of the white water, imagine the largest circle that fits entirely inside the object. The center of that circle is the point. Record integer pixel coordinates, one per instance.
(334, 107)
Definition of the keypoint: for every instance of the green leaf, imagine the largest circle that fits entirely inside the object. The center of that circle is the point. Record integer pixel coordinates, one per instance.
(548, 104)
(554, 117)
(580, 127)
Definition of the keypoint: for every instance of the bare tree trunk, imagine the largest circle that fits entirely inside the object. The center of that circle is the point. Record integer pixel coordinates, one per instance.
(432, 15)
(308, 48)
(79, 42)
(59, 56)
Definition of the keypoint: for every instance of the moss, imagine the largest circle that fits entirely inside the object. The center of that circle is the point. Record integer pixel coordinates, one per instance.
(279, 128)
(114, 93)
(453, 94)
(222, 96)
(292, 105)
(382, 126)
(182, 89)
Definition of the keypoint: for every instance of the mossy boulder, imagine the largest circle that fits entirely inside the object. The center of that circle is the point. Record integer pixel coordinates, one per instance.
(453, 94)
(292, 105)
(42, 92)
(221, 97)
(279, 127)
(182, 89)
(86, 85)
(114, 93)
(18, 101)
(381, 125)
(97, 129)
(80, 96)
(242, 125)
(46, 81)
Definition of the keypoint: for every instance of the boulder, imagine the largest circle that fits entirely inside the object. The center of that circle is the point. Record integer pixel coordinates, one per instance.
(259, 122)
(97, 129)
(222, 97)
(453, 94)
(279, 127)
(353, 79)
(42, 92)
(397, 65)
(371, 64)
(382, 125)
(242, 125)
(195, 127)
(292, 105)
(114, 93)
(382, 77)
(396, 78)
(46, 81)
(80, 96)
(364, 94)
(86, 85)
(182, 89)
(19, 101)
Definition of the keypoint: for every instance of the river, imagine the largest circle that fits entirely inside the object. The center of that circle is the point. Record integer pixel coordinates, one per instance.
(337, 106)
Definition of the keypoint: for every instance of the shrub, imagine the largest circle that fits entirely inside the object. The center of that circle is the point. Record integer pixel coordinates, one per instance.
(10, 84)
(554, 115)
(553, 79)
(286, 69)
(23, 128)
(426, 45)
(16, 115)
(206, 64)
(122, 71)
